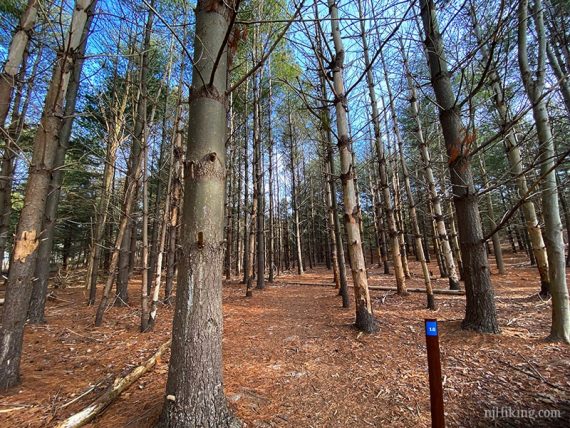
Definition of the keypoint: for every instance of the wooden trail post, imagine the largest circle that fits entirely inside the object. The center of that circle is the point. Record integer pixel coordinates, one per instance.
(434, 368)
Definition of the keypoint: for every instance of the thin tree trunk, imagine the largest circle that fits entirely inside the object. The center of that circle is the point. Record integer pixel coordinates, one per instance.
(145, 283)
(442, 237)
(382, 173)
(259, 192)
(15, 65)
(11, 136)
(364, 315)
(294, 195)
(127, 254)
(271, 249)
(497, 251)
(413, 214)
(515, 163)
(246, 219)
(560, 328)
(114, 136)
(229, 192)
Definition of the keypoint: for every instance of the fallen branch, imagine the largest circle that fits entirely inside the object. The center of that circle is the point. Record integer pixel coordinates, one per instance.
(12, 409)
(318, 284)
(122, 383)
(383, 288)
(539, 377)
(417, 290)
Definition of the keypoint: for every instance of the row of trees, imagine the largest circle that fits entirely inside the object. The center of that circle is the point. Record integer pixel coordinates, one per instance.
(315, 135)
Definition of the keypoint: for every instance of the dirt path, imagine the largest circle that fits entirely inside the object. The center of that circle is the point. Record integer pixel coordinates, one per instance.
(292, 359)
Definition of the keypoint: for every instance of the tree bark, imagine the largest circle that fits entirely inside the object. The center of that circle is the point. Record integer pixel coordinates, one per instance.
(364, 315)
(42, 269)
(480, 312)
(382, 173)
(442, 237)
(16, 56)
(28, 232)
(534, 87)
(115, 129)
(516, 166)
(14, 65)
(194, 390)
(294, 196)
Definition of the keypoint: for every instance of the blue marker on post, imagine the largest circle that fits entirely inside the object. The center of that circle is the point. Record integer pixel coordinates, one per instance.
(434, 367)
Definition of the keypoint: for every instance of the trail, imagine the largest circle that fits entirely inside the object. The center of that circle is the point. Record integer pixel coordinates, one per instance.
(293, 359)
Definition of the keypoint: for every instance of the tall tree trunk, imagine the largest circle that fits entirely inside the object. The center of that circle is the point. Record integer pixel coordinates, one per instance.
(412, 208)
(16, 56)
(10, 136)
(126, 256)
(364, 315)
(294, 195)
(534, 87)
(15, 65)
(229, 192)
(442, 237)
(175, 196)
(194, 390)
(114, 136)
(332, 201)
(145, 283)
(259, 184)
(382, 172)
(246, 218)
(480, 312)
(28, 233)
(271, 249)
(498, 252)
(516, 166)
(42, 269)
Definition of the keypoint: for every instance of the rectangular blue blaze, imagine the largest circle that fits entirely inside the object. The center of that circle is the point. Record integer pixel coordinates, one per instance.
(431, 328)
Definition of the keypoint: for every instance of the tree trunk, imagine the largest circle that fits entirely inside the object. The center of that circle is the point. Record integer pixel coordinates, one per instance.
(364, 316)
(16, 56)
(15, 65)
(28, 232)
(332, 201)
(560, 329)
(271, 249)
(127, 255)
(246, 219)
(194, 390)
(383, 175)
(442, 237)
(42, 269)
(480, 312)
(515, 163)
(497, 251)
(114, 133)
(259, 185)
(294, 196)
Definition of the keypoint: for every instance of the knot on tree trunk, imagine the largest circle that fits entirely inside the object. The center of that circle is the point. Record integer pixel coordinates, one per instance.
(209, 167)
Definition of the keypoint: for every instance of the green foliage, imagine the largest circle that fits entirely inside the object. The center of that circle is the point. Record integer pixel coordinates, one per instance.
(14, 8)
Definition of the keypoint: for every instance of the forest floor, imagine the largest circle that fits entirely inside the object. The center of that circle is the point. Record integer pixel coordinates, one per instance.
(293, 359)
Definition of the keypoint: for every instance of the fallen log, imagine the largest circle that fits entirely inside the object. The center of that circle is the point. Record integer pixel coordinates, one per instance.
(119, 385)
(417, 290)
(383, 288)
(318, 284)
